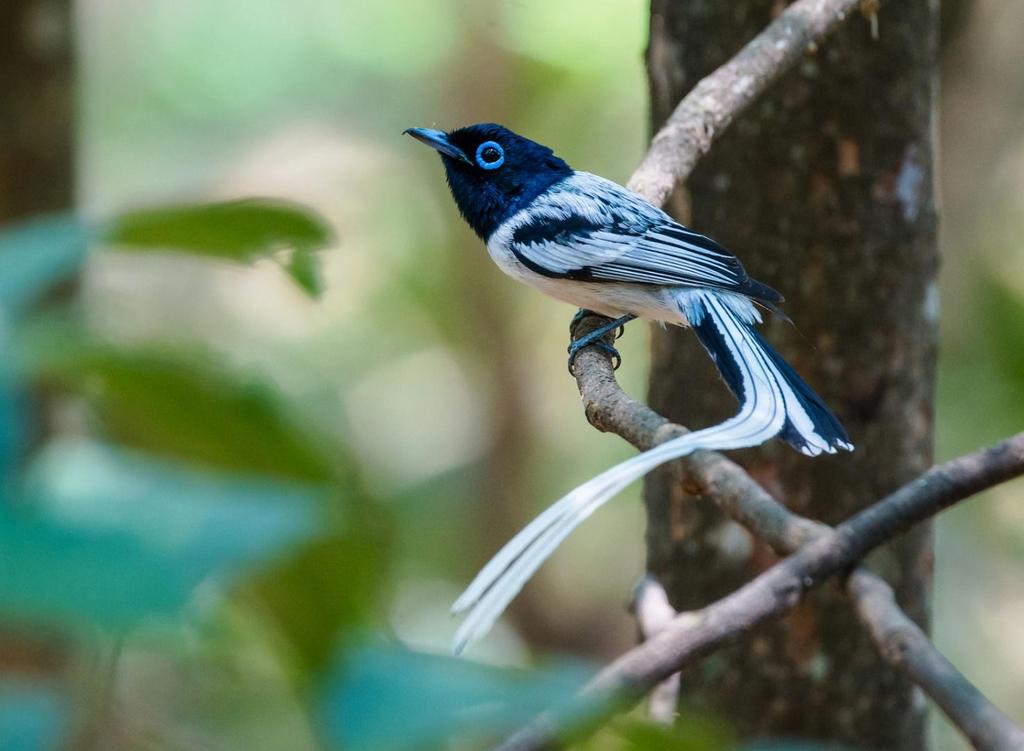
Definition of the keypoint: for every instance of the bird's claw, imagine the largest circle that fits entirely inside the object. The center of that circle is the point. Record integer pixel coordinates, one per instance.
(596, 337)
(580, 344)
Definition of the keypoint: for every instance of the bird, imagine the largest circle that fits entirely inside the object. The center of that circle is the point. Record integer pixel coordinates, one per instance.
(590, 242)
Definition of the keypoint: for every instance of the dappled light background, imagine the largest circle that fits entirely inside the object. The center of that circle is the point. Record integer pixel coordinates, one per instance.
(435, 384)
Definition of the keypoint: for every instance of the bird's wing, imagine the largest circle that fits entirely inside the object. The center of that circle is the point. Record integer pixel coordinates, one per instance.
(590, 229)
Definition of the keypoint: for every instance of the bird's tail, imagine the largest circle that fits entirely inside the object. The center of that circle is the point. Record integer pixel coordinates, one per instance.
(809, 426)
(773, 400)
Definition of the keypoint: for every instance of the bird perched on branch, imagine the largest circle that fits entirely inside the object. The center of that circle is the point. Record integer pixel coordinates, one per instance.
(592, 243)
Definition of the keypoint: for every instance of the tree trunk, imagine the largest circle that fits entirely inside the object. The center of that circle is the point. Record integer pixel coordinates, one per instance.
(36, 105)
(824, 189)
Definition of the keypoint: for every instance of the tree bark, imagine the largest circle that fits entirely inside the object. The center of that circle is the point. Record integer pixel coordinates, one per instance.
(824, 189)
(36, 131)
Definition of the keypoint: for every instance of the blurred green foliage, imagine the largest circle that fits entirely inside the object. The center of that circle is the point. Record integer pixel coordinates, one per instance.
(191, 475)
(195, 474)
(239, 230)
(389, 698)
(108, 537)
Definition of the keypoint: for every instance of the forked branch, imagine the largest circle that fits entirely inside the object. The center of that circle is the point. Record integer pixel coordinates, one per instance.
(691, 636)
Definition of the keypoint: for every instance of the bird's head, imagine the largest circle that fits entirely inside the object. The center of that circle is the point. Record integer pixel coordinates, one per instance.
(492, 172)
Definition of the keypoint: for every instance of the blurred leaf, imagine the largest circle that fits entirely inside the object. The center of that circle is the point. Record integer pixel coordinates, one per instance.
(320, 591)
(31, 718)
(304, 269)
(691, 732)
(1004, 318)
(387, 698)
(14, 425)
(182, 404)
(237, 230)
(109, 537)
(979, 385)
(37, 255)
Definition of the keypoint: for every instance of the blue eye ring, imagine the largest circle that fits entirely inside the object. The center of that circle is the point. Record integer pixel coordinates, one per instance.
(492, 164)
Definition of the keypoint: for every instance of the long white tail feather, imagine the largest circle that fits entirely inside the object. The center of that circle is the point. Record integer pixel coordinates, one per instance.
(492, 594)
(768, 401)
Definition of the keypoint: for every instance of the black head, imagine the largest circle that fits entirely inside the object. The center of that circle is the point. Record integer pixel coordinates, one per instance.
(492, 172)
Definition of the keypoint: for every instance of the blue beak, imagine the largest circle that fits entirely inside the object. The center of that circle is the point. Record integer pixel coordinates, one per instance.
(438, 140)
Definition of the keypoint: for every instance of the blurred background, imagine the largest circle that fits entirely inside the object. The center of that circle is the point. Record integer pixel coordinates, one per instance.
(242, 488)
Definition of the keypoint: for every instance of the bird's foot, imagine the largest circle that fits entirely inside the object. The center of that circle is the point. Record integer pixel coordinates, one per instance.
(583, 314)
(577, 346)
(596, 337)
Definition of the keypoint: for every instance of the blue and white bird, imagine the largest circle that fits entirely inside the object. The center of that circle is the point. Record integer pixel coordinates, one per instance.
(592, 243)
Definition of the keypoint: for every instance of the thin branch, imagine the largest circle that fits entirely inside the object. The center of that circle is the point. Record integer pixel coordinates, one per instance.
(691, 636)
(653, 613)
(905, 646)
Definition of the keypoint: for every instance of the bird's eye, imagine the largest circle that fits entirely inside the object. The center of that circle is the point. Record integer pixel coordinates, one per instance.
(490, 155)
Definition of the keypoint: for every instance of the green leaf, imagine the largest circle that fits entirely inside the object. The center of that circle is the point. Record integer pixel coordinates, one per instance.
(106, 536)
(387, 697)
(304, 269)
(35, 256)
(237, 230)
(182, 404)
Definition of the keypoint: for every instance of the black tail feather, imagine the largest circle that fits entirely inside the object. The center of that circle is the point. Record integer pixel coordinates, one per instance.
(825, 425)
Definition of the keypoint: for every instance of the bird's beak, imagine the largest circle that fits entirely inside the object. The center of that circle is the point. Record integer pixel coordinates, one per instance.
(437, 139)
